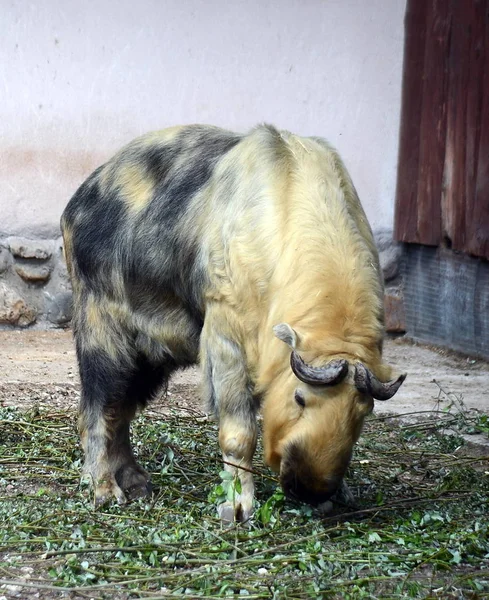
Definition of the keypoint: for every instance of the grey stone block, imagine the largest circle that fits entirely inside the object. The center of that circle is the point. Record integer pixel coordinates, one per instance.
(4, 259)
(33, 273)
(25, 248)
(390, 253)
(59, 307)
(14, 310)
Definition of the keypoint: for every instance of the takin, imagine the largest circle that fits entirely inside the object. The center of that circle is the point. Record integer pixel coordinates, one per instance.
(252, 256)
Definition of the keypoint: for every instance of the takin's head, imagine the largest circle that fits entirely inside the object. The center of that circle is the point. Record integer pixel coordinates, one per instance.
(313, 415)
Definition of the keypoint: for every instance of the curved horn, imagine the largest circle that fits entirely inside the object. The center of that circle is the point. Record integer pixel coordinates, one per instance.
(331, 374)
(367, 383)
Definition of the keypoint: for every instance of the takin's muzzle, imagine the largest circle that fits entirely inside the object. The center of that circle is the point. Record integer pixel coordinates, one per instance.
(299, 482)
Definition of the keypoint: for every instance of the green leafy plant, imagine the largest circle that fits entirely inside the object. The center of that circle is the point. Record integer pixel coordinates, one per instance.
(269, 511)
(227, 489)
(420, 529)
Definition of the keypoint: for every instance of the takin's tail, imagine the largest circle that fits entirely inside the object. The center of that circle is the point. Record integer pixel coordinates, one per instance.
(67, 245)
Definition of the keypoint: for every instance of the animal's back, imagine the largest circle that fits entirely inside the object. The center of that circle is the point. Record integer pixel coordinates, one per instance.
(193, 215)
(131, 228)
(293, 239)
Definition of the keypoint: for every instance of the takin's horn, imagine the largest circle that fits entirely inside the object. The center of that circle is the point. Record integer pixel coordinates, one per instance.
(331, 374)
(367, 383)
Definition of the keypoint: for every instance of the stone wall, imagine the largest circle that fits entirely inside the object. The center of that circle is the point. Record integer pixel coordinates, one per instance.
(390, 254)
(34, 285)
(35, 289)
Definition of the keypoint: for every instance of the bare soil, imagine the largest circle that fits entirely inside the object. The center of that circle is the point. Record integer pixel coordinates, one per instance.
(38, 368)
(32, 363)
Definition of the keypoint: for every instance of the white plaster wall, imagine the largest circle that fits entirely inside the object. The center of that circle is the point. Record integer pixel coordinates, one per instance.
(79, 79)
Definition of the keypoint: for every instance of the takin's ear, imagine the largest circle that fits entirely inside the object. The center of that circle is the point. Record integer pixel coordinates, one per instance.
(385, 372)
(288, 335)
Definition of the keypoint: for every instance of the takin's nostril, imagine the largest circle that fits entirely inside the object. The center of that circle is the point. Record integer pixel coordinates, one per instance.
(296, 490)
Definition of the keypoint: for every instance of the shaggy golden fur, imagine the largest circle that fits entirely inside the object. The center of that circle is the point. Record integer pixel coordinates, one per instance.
(192, 244)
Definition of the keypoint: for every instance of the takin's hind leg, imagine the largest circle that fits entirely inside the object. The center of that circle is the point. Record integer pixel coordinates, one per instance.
(112, 389)
(109, 460)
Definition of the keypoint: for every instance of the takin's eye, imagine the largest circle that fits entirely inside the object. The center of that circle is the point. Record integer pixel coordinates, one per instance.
(299, 398)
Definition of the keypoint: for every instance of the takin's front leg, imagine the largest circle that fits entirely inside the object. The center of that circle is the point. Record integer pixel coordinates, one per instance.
(228, 393)
(237, 439)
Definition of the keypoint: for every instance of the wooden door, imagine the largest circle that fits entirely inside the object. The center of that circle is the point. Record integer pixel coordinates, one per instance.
(443, 176)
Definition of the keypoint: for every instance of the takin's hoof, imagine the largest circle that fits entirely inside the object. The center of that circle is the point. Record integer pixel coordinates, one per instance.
(234, 513)
(134, 480)
(106, 490)
(325, 507)
(129, 482)
(139, 491)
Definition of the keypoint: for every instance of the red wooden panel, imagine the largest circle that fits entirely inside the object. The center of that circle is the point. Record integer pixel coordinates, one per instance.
(443, 174)
(477, 211)
(454, 194)
(475, 69)
(405, 228)
(433, 123)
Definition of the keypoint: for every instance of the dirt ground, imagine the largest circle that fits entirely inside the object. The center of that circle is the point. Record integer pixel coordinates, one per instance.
(32, 363)
(38, 368)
